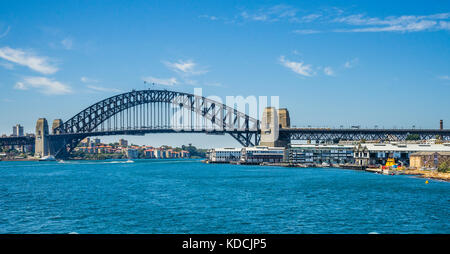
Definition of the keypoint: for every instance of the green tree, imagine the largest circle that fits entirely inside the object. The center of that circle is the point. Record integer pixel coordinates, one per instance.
(194, 152)
(413, 137)
(444, 167)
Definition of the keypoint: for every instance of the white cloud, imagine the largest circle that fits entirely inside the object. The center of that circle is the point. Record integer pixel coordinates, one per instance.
(297, 67)
(161, 81)
(310, 18)
(67, 43)
(20, 86)
(306, 31)
(43, 85)
(272, 14)
(36, 63)
(88, 80)
(350, 23)
(412, 27)
(405, 23)
(213, 18)
(187, 67)
(351, 63)
(296, 52)
(328, 71)
(444, 77)
(103, 89)
(255, 17)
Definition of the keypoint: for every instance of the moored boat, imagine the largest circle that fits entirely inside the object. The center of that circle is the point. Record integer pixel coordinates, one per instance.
(47, 158)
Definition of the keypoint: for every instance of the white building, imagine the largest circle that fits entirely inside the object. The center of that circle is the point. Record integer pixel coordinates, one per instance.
(319, 153)
(260, 154)
(224, 154)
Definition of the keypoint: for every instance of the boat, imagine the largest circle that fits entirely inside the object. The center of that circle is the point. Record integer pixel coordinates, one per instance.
(325, 165)
(47, 158)
(129, 161)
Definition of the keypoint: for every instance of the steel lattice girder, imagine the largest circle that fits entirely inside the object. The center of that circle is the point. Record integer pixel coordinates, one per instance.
(360, 134)
(219, 115)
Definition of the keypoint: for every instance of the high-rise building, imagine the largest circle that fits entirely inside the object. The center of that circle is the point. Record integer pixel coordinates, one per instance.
(18, 130)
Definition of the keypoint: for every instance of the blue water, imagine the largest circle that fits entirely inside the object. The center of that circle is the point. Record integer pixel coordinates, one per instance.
(186, 196)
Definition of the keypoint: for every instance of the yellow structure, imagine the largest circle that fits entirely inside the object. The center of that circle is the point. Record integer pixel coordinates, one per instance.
(390, 162)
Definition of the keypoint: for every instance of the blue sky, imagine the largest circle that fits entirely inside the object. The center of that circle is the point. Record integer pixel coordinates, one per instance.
(331, 63)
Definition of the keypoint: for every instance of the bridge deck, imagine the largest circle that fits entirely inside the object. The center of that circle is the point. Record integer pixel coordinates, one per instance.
(367, 134)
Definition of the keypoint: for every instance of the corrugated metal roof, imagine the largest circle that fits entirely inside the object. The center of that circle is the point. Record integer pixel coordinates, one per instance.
(334, 146)
(408, 147)
(227, 149)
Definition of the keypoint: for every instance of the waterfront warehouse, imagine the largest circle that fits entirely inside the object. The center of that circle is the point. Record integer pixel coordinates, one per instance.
(319, 153)
(224, 155)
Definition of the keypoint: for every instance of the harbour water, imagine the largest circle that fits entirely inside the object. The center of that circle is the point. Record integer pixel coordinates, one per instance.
(187, 196)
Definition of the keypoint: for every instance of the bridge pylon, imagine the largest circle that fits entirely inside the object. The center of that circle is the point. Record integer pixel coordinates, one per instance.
(55, 125)
(272, 120)
(57, 144)
(41, 140)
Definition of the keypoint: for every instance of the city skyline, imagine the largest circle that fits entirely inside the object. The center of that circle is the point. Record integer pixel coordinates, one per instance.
(354, 64)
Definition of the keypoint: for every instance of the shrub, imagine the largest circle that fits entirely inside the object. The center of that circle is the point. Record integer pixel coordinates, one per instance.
(444, 167)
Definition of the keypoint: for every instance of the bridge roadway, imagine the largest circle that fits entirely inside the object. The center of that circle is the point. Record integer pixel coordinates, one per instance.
(359, 134)
(319, 134)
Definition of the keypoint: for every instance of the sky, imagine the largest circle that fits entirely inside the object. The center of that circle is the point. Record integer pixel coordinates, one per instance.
(332, 63)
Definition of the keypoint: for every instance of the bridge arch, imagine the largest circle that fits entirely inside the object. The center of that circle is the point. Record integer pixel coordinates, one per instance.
(157, 111)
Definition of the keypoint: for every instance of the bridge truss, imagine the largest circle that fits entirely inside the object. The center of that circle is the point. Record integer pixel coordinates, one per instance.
(157, 111)
(324, 134)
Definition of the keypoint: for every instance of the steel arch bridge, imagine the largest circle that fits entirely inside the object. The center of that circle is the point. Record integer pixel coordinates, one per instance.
(155, 111)
(162, 111)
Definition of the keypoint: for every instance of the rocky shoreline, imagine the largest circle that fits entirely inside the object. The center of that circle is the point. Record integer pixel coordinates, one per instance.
(428, 174)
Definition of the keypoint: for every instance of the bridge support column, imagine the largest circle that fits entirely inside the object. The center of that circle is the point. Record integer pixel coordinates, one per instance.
(56, 145)
(55, 125)
(272, 121)
(41, 142)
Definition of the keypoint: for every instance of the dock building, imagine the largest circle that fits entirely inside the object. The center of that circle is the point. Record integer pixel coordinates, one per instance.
(319, 153)
(261, 154)
(377, 154)
(224, 154)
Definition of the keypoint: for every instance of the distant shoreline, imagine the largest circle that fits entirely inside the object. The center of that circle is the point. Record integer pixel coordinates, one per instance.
(410, 172)
(90, 159)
